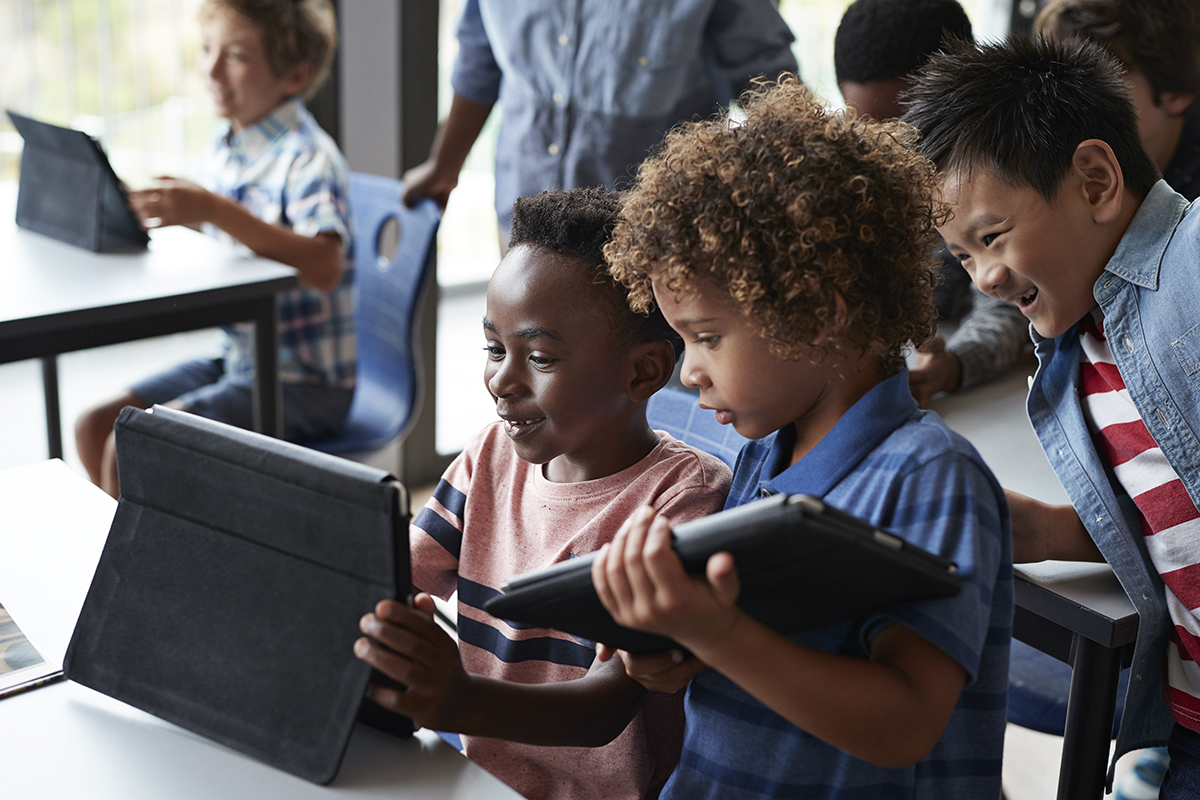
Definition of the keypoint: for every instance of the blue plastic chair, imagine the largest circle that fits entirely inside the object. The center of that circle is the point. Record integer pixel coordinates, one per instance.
(677, 412)
(387, 293)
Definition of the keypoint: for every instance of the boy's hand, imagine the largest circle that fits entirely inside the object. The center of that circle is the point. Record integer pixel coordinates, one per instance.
(936, 370)
(173, 202)
(407, 645)
(668, 671)
(642, 583)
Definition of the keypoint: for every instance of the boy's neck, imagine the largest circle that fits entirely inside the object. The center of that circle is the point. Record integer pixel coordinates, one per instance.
(853, 382)
(630, 442)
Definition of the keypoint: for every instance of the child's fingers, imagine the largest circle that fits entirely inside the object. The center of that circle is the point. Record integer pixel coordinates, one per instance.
(632, 555)
(609, 571)
(661, 565)
(721, 572)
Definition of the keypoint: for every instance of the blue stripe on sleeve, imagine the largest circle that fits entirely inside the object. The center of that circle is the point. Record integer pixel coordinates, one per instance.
(442, 531)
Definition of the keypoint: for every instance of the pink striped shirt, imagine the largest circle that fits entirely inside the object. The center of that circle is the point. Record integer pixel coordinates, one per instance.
(1169, 519)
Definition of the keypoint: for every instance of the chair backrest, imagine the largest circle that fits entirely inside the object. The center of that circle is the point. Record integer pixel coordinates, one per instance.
(388, 286)
(677, 412)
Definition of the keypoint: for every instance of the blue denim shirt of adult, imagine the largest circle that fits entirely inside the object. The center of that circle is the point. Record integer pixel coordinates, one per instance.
(1150, 295)
(588, 87)
(899, 468)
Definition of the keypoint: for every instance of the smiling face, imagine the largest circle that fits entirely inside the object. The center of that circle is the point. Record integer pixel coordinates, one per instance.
(747, 385)
(234, 66)
(1042, 257)
(556, 369)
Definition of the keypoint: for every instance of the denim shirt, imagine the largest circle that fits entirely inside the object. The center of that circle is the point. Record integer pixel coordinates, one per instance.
(1150, 295)
(587, 87)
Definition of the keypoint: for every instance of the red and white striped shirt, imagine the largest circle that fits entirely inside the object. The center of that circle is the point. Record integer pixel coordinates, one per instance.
(1170, 521)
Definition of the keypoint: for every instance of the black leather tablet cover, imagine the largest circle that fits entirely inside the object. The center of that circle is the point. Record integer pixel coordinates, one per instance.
(228, 594)
(802, 564)
(69, 191)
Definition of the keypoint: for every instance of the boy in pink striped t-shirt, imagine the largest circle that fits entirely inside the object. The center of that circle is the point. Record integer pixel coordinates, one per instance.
(1058, 209)
(570, 368)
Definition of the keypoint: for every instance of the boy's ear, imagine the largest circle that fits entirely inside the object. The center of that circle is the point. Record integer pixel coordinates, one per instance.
(653, 365)
(1175, 103)
(297, 78)
(1100, 179)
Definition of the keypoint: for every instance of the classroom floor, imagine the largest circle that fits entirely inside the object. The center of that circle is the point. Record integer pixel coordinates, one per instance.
(1031, 758)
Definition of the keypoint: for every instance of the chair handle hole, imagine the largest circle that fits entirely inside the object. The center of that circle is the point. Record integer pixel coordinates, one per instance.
(387, 241)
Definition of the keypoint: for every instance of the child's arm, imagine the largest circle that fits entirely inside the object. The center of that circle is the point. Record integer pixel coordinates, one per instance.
(889, 710)
(319, 259)
(437, 176)
(407, 645)
(1042, 531)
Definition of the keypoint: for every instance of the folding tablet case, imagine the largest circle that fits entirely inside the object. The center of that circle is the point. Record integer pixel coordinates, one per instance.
(802, 564)
(228, 595)
(69, 191)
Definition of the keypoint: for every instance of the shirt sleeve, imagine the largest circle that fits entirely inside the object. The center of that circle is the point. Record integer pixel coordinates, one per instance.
(476, 75)
(436, 534)
(951, 508)
(316, 198)
(990, 339)
(748, 39)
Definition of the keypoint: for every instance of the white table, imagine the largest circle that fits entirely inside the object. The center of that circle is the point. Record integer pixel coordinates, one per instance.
(58, 298)
(1075, 612)
(64, 740)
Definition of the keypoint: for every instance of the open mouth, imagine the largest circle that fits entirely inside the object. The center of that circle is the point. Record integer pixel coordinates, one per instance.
(518, 428)
(1026, 300)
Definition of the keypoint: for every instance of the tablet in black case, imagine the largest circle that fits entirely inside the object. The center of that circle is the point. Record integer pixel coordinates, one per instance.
(803, 564)
(228, 594)
(68, 190)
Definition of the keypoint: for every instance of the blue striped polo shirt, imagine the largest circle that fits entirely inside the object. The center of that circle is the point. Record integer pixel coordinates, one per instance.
(903, 470)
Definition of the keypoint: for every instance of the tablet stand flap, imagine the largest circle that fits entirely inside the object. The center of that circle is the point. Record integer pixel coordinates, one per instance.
(229, 591)
(68, 190)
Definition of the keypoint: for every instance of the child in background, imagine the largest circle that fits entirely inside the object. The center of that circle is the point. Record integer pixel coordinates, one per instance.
(791, 252)
(274, 182)
(1058, 209)
(570, 368)
(878, 44)
(1158, 44)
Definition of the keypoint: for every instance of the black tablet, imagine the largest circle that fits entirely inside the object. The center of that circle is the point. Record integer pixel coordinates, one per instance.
(228, 595)
(802, 563)
(69, 191)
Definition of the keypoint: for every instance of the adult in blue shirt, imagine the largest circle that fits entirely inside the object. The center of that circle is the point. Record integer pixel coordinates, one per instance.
(588, 87)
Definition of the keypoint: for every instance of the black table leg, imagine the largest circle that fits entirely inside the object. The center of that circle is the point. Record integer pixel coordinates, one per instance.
(267, 395)
(53, 418)
(1090, 708)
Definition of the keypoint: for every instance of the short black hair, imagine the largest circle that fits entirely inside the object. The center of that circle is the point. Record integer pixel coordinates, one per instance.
(1159, 38)
(1021, 107)
(883, 39)
(578, 223)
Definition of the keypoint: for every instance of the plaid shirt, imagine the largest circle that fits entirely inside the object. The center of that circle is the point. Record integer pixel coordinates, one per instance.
(286, 171)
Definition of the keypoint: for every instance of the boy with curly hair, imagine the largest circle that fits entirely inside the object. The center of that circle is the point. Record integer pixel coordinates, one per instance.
(1058, 209)
(791, 252)
(570, 367)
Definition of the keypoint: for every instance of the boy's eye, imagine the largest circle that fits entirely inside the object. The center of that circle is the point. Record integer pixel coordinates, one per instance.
(542, 361)
(495, 352)
(708, 341)
(987, 239)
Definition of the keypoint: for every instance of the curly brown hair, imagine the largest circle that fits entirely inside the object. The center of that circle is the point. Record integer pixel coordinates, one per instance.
(786, 212)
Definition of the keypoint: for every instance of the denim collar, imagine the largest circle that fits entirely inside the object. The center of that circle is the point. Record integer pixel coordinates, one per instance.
(1139, 254)
(860, 430)
(256, 139)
